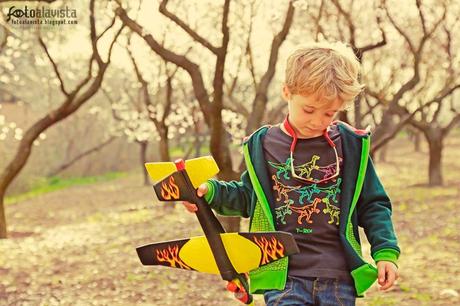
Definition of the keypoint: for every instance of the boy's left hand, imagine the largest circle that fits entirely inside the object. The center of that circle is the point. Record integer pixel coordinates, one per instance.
(387, 274)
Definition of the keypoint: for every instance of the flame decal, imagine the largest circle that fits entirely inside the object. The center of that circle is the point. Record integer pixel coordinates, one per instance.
(170, 190)
(271, 249)
(171, 256)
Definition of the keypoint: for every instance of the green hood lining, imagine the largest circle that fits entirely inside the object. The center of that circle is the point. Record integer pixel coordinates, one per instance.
(257, 187)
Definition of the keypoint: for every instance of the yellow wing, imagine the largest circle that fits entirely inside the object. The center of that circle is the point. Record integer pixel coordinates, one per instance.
(201, 169)
(158, 171)
(198, 169)
(243, 254)
(246, 251)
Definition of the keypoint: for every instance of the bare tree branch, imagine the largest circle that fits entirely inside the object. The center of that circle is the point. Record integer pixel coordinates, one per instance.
(235, 106)
(55, 67)
(406, 117)
(145, 91)
(186, 28)
(251, 62)
(401, 110)
(399, 29)
(452, 123)
(112, 103)
(274, 114)
(260, 100)
(422, 17)
(106, 29)
(6, 33)
(181, 61)
(379, 44)
(234, 80)
(93, 35)
(370, 108)
(417, 53)
(348, 19)
(317, 19)
(80, 156)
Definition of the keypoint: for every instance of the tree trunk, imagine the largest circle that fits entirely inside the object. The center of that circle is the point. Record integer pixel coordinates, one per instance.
(164, 145)
(72, 102)
(414, 137)
(230, 224)
(358, 112)
(343, 116)
(66, 165)
(165, 157)
(143, 156)
(435, 144)
(383, 154)
(417, 141)
(197, 143)
(24, 150)
(2, 216)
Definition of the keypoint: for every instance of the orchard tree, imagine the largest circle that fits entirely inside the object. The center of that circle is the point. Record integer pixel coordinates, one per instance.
(438, 93)
(211, 105)
(211, 101)
(411, 27)
(73, 99)
(146, 109)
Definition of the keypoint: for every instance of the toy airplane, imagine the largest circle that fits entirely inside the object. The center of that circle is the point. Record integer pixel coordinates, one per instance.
(232, 255)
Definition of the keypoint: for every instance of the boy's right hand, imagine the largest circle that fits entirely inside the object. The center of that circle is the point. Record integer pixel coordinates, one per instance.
(201, 191)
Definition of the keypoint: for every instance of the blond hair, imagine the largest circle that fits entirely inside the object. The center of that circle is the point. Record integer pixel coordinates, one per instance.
(327, 70)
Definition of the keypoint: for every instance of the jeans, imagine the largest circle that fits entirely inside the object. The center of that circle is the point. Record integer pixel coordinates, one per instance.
(312, 291)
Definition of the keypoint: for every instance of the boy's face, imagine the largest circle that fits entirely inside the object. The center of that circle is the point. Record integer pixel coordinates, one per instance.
(308, 116)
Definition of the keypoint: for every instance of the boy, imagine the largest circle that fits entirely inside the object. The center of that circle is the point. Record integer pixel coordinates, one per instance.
(313, 177)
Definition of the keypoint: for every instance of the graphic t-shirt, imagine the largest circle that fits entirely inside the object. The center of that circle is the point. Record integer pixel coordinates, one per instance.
(308, 210)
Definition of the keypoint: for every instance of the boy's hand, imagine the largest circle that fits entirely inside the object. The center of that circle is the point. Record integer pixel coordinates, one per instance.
(387, 274)
(201, 191)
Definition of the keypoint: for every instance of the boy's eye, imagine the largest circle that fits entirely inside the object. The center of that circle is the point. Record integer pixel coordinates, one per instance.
(330, 114)
(308, 111)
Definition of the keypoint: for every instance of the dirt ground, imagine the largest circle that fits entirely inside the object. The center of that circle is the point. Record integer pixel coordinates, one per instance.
(76, 246)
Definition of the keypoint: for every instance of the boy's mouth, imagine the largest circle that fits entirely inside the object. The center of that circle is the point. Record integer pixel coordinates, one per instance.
(310, 129)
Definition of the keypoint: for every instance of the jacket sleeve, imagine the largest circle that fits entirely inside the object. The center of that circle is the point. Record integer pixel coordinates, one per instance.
(230, 198)
(374, 215)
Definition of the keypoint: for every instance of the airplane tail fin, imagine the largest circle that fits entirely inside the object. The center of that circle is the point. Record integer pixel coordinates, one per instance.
(173, 188)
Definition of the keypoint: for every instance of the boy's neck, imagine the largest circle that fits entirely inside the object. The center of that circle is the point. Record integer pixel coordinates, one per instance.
(299, 135)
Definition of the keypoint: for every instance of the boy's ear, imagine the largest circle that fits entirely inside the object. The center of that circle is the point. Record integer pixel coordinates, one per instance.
(286, 93)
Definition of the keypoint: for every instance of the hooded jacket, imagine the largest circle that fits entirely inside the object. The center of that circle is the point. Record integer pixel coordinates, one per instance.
(364, 203)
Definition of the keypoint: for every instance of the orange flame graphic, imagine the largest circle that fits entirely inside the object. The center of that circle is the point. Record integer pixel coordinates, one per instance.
(271, 249)
(170, 190)
(171, 255)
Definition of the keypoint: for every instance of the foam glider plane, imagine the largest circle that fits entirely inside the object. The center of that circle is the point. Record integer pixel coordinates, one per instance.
(232, 255)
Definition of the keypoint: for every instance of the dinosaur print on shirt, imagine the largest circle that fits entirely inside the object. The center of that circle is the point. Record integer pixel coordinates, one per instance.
(308, 208)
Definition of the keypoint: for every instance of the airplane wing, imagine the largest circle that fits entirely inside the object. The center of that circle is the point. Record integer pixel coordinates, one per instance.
(158, 171)
(246, 251)
(201, 169)
(198, 169)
